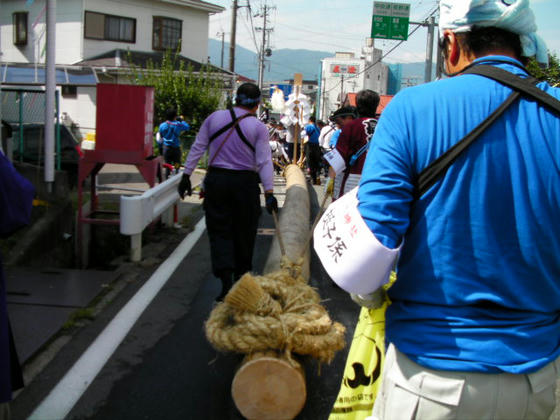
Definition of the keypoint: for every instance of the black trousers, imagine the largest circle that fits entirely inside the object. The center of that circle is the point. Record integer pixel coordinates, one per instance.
(313, 153)
(232, 207)
(171, 155)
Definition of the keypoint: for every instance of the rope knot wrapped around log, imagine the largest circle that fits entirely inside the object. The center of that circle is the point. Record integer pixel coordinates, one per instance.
(277, 312)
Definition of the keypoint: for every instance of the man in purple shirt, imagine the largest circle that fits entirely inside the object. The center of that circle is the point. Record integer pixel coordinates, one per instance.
(239, 153)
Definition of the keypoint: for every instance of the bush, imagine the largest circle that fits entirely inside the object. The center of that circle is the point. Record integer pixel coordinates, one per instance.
(551, 74)
(195, 96)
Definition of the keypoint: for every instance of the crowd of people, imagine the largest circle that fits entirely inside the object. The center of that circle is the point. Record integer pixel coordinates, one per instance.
(456, 187)
(319, 138)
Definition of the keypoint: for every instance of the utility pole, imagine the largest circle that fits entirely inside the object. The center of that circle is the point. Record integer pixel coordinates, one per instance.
(232, 39)
(341, 89)
(430, 24)
(263, 46)
(430, 49)
(222, 34)
(264, 50)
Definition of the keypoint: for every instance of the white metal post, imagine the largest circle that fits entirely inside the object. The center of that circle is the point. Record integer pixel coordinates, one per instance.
(50, 94)
(136, 247)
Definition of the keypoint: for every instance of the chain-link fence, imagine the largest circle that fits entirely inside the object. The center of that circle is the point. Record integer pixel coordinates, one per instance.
(24, 111)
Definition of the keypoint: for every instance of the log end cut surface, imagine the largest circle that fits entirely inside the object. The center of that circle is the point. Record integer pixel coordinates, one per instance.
(269, 388)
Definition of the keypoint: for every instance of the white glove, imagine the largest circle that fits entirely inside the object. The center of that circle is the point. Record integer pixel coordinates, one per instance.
(371, 301)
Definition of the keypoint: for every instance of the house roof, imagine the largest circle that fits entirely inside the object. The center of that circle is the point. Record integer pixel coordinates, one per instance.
(243, 79)
(385, 99)
(383, 102)
(197, 4)
(125, 58)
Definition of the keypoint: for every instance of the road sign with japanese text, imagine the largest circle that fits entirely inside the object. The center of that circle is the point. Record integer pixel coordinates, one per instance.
(390, 20)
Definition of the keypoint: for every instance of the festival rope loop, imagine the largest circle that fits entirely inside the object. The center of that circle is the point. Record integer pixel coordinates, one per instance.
(279, 312)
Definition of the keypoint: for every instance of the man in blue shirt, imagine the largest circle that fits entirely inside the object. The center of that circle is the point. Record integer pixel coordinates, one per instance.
(170, 131)
(313, 150)
(473, 330)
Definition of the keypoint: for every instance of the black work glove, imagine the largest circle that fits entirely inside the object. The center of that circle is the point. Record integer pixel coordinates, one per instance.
(271, 203)
(185, 186)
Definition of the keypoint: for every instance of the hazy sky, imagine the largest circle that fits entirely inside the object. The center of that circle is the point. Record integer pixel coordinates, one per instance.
(332, 25)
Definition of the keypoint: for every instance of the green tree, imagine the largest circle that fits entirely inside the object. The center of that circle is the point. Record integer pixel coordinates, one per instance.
(551, 74)
(194, 95)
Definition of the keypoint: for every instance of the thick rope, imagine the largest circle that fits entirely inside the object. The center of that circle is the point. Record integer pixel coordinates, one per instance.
(279, 312)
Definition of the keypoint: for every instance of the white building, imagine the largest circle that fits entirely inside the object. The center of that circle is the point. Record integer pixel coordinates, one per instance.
(88, 32)
(345, 73)
(87, 28)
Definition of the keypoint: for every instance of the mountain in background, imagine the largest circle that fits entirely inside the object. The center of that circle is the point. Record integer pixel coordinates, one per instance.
(283, 63)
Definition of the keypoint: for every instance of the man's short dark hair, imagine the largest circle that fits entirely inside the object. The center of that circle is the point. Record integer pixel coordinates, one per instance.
(312, 119)
(248, 95)
(483, 41)
(367, 101)
(171, 114)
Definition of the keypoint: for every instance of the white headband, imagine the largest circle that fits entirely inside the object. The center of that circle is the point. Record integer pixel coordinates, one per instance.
(511, 15)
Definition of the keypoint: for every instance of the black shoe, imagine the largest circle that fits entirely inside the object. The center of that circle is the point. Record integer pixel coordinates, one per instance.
(227, 283)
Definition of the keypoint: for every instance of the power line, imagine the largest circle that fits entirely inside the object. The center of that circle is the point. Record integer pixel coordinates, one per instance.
(252, 29)
(295, 28)
(386, 54)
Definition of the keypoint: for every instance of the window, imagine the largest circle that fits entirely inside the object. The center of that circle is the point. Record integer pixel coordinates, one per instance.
(109, 27)
(167, 33)
(69, 91)
(19, 20)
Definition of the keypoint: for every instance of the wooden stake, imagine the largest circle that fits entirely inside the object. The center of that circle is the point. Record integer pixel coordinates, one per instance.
(298, 83)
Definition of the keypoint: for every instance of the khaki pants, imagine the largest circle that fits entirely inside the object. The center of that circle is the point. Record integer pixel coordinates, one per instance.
(411, 391)
(5, 411)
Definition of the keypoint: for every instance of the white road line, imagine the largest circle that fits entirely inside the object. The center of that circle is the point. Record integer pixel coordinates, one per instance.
(72, 386)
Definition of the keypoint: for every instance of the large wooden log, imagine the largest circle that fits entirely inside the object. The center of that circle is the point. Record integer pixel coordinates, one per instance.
(293, 223)
(267, 386)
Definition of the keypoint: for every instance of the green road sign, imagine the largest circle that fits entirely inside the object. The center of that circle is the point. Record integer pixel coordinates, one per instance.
(390, 20)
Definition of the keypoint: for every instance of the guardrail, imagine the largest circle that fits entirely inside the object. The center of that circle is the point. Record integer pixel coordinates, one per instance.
(137, 212)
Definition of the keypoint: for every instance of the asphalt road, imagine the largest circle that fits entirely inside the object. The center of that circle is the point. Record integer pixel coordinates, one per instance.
(165, 368)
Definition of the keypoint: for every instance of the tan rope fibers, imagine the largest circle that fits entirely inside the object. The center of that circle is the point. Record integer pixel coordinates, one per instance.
(278, 311)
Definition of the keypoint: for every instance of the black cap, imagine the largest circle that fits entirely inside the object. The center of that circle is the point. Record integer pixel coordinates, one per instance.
(345, 111)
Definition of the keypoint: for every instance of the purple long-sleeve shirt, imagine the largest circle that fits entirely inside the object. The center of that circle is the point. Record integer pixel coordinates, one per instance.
(234, 154)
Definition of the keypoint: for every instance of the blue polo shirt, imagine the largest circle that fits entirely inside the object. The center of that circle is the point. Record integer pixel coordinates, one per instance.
(170, 131)
(312, 133)
(478, 279)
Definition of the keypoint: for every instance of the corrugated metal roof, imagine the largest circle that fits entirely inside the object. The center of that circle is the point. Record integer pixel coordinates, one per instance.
(30, 74)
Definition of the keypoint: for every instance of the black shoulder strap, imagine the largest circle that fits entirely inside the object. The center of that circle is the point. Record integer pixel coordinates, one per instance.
(239, 131)
(526, 87)
(229, 125)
